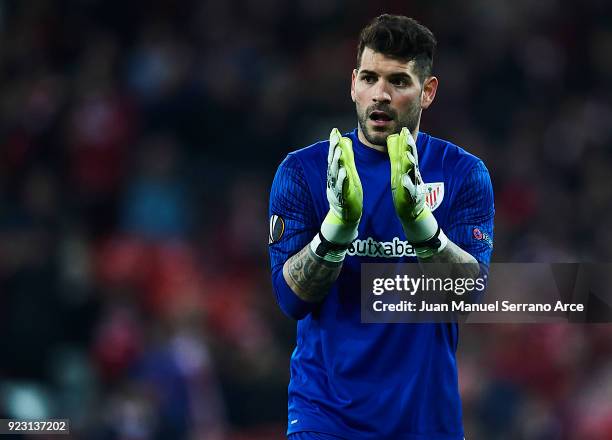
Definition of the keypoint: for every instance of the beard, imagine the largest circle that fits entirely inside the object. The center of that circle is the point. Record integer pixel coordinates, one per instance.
(378, 135)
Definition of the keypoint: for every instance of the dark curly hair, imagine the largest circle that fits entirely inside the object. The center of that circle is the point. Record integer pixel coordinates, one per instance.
(402, 38)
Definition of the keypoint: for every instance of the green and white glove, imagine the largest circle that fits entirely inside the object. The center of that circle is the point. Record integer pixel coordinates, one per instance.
(345, 197)
(409, 194)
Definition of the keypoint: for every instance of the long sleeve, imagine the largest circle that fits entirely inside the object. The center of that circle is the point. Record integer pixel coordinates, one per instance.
(471, 223)
(293, 224)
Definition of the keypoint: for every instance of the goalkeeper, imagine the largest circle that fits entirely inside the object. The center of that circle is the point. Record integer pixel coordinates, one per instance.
(385, 181)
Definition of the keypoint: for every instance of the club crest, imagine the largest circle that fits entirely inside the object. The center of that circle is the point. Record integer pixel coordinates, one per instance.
(435, 194)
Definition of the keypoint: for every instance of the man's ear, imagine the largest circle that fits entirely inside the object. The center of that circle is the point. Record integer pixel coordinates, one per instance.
(430, 86)
(353, 79)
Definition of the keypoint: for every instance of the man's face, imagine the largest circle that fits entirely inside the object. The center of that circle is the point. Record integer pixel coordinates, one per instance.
(388, 96)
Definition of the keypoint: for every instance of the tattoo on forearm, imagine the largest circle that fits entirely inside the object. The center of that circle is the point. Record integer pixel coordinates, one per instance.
(457, 259)
(452, 262)
(309, 276)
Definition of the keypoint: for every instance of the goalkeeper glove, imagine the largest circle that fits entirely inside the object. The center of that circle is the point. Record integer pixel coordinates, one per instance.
(409, 193)
(345, 198)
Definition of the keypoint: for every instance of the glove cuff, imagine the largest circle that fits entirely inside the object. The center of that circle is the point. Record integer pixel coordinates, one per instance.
(327, 250)
(421, 228)
(433, 246)
(336, 231)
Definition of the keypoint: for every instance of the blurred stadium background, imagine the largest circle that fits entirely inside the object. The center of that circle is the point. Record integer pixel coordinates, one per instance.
(139, 141)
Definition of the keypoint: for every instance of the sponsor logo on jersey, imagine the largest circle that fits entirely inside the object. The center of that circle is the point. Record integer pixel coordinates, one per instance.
(435, 194)
(382, 249)
(277, 228)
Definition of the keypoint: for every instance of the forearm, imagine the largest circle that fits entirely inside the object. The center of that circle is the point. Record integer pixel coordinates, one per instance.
(452, 262)
(462, 263)
(310, 276)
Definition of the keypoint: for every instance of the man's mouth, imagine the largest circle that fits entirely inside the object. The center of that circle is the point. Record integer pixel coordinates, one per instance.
(380, 118)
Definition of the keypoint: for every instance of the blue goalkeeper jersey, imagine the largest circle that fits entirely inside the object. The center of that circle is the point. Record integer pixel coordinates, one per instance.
(375, 381)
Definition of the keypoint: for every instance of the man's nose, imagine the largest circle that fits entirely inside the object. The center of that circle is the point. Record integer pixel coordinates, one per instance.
(381, 92)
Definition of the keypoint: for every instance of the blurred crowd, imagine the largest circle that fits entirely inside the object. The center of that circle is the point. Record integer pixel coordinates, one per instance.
(138, 144)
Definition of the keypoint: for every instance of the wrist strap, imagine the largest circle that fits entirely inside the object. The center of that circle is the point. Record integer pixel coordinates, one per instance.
(327, 250)
(432, 246)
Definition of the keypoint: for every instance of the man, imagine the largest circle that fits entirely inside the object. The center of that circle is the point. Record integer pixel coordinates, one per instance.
(376, 381)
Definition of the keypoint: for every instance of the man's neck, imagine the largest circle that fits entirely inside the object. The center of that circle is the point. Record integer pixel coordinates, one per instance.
(367, 143)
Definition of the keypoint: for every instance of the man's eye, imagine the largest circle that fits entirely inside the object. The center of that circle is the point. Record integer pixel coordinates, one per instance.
(400, 82)
(369, 79)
